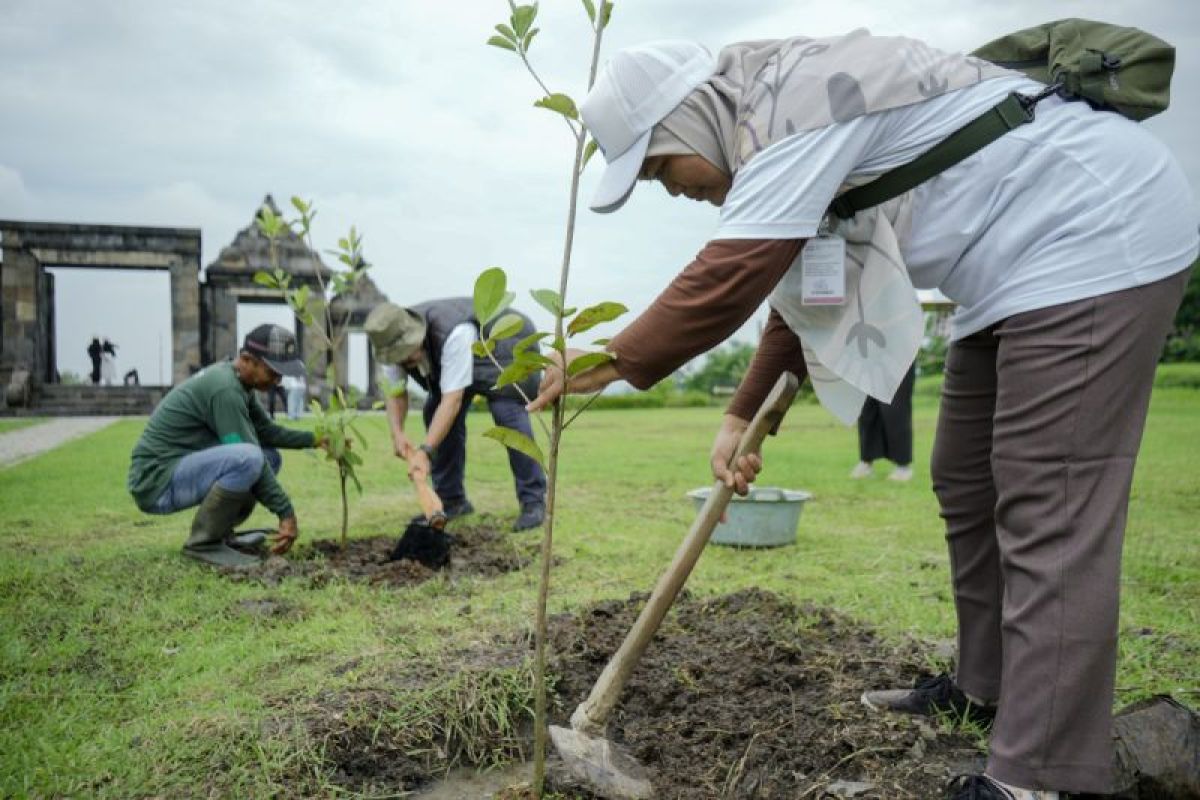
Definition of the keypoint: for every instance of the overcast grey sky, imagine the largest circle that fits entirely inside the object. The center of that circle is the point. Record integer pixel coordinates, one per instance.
(395, 116)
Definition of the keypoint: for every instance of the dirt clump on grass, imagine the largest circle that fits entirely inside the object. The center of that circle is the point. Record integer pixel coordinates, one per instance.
(479, 549)
(750, 696)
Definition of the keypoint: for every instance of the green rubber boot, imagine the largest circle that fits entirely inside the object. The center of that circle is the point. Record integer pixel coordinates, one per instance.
(213, 522)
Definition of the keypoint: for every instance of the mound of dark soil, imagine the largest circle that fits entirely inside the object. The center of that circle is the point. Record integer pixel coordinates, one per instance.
(475, 550)
(749, 696)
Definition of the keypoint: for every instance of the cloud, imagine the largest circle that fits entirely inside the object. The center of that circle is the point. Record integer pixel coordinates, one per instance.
(396, 117)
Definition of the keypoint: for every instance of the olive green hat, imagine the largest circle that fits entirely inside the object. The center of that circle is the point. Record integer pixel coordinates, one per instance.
(395, 333)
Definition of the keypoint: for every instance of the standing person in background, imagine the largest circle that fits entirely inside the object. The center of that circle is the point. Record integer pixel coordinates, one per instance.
(108, 363)
(1066, 244)
(431, 342)
(885, 431)
(296, 388)
(94, 351)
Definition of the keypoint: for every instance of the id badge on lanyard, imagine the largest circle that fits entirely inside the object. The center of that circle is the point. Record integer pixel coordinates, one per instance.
(823, 269)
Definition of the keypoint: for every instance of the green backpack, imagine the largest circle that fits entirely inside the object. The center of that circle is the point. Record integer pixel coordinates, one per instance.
(1119, 69)
(1112, 68)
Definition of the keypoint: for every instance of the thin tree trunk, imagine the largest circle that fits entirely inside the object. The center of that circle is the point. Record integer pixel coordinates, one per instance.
(345, 506)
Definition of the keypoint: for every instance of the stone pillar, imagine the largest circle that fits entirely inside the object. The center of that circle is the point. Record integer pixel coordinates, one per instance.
(23, 347)
(185, 319)
(222, 323)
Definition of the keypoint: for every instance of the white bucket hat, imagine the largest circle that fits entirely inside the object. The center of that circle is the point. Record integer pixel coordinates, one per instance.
(637, 88)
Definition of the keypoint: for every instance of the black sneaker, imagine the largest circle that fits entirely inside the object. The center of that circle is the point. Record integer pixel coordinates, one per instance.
(931, 697)
(976, 787)
(532, 515)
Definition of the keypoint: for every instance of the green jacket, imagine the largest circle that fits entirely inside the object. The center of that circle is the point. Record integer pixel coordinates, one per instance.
(208, 409)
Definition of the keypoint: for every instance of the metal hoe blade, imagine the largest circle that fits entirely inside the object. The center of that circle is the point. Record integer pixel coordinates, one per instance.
(602, 765)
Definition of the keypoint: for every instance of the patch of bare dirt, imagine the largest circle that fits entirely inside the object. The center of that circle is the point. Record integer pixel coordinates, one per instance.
(475, 550)
(740, 696)
(748, 696)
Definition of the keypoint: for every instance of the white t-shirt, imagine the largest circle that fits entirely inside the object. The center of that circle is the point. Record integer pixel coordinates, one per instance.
(1076, 204)
(457, 361)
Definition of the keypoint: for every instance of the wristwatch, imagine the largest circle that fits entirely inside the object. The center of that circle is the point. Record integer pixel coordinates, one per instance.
(427, 449)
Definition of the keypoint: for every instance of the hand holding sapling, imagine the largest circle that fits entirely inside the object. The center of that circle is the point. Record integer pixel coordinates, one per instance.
(586, 381)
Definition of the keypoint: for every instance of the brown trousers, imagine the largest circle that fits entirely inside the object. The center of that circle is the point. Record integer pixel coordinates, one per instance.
(1040, 424)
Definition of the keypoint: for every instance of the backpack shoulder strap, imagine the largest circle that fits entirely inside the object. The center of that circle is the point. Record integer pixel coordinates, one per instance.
(1012, 112)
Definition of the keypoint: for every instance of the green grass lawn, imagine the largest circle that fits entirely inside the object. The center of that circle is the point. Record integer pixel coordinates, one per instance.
(127, 671)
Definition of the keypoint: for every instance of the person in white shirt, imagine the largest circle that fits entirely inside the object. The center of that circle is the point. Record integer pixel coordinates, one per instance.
(1066, 245)
(431, 343)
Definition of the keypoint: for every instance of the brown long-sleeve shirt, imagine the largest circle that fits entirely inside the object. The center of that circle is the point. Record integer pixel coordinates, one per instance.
(703, 306)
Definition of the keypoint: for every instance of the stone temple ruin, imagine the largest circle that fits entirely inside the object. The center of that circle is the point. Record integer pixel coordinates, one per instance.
(203, 312)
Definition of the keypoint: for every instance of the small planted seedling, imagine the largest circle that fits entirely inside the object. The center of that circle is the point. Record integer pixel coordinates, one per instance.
(335, 422)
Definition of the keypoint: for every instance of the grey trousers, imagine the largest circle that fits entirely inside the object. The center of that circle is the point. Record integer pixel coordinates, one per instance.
(1040, 423)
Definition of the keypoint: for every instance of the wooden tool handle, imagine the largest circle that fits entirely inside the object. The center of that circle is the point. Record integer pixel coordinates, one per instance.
(592, 714)
(431, 504)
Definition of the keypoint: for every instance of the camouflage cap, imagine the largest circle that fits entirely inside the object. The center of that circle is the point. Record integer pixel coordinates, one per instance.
(395, 333)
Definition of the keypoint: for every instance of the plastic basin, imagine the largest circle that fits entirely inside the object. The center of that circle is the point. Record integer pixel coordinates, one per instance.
(765, 517)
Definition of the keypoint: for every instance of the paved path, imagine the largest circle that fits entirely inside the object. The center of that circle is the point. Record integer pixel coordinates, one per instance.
(23, 443)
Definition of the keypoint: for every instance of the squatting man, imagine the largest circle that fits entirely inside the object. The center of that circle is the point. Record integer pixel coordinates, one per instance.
(211, 444)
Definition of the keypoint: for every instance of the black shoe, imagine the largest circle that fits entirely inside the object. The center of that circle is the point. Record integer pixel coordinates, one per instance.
(532, 515)
(931, 697)
(975, 787)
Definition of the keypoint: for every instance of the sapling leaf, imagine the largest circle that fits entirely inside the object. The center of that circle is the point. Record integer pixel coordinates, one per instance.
(482, 348)
(548, 299)
(522, 19)
(529, 39)
(489, 293)
(515, 440)
(362, 440)
(502, 43)
(587, 361)
(589, 151)
(266, 279)
(559, 103)
(559, 344)
(506, 326)
(606, 9)
(601, 342)
(530, 340)
(593, 315)
(507, 33)
(353, 476)
(590, 8)
(300, 205)
(516, 372)
(505, 302)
